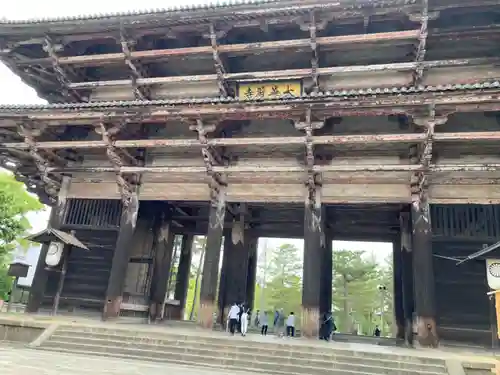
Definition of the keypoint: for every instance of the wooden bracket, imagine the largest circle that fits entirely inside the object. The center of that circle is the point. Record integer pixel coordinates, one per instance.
(136, 69)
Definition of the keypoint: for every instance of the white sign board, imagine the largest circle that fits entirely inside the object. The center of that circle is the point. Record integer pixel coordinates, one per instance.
(493, 273)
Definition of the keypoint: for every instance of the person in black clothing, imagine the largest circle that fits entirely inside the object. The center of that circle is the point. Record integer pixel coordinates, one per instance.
(264, 321)
(377, 332)
(327, 327)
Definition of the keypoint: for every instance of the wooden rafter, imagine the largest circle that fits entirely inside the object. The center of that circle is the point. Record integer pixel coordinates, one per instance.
(136, 69)
(219, 66)
(422, 43)
(63, 75)
(243, 48)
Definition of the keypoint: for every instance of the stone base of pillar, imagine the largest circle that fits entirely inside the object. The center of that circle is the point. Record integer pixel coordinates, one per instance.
(206, 314)
(426, 332)
(112, 308)
(176, 312)
(399, 331)
(154, 311)
(310, 322)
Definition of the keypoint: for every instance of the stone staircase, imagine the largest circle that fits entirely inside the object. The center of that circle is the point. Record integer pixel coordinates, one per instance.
(218, 351)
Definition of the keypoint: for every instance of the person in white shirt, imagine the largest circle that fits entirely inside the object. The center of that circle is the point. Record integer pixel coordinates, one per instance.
(244, 322)
(290, 325)
(233, 315)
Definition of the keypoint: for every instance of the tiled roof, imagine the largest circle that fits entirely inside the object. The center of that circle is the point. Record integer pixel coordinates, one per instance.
(226, 100)
(210, 6)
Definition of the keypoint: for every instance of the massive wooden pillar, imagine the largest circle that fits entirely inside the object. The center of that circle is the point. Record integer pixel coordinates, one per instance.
(56, 219)
(223, 281)
(251, 280)
(183, 273)
(121, 258)
(163, 248)
(326, 276)
(397, 266)
(236, 271)
(314, 250)
(423, 274)
(209, 280)
(407, 276)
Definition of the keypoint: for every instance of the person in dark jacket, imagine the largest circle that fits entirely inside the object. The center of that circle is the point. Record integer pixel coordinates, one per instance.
(327, 326)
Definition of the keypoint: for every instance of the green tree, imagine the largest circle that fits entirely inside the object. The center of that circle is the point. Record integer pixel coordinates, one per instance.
(357, 299)
(284, 285)
(15, 204)
(193, 295)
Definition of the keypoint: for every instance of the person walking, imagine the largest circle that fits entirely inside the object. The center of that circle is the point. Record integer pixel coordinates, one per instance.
(233, 314)
(377, 332)
(264, 322)
(276, 318)
(327, 326)
(244, 322)
(257, 318)
(279, 328)
(241, 307)
(290, 325)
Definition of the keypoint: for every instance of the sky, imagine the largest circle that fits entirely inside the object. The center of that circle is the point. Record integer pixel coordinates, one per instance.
(19, 93)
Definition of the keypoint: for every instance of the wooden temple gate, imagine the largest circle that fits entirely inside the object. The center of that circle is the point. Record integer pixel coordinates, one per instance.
(311, 119)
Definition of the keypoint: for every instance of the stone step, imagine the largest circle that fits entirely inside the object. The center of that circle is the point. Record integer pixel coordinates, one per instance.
(224, 360)
(222, 342)
(260, 354)
(178, 361)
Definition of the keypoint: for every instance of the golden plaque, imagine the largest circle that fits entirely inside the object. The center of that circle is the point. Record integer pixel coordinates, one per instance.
(269, 90)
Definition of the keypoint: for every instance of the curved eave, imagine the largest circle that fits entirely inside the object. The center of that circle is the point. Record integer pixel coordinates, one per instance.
(191, 13)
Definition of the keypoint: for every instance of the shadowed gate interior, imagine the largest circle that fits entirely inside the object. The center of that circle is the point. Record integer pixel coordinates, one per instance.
(462, 308)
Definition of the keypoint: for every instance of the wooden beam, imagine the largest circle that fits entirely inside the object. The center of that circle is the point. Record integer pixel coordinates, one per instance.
(484, 167)
(336, 140)
(285, 74)
(232, 49)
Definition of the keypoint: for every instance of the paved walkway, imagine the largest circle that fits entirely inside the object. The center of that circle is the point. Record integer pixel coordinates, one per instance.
(22, 361)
